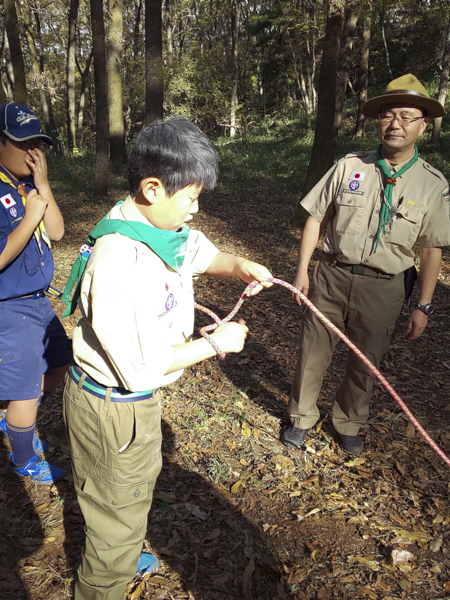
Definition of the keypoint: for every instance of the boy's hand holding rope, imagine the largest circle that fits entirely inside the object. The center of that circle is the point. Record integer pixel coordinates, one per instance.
(255, 287)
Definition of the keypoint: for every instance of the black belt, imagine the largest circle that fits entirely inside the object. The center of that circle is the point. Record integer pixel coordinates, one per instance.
(39, 294)
(362, 270)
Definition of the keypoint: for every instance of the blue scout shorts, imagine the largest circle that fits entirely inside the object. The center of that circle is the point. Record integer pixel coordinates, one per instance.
(32, 341)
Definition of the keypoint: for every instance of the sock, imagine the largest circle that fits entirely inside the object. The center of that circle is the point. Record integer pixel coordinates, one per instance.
(21, 439)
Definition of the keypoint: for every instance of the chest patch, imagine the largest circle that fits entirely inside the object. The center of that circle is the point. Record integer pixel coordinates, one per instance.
(357, 175)
(13, 212)
(353, 185)
(7, 201)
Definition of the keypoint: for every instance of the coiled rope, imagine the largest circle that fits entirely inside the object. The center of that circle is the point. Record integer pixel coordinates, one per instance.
(328, 323)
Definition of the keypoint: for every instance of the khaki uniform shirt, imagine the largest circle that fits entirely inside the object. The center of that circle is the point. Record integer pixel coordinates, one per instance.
(135, 308)
(349, 197)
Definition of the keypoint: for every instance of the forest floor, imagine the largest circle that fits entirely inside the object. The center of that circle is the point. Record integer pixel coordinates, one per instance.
(236, 515)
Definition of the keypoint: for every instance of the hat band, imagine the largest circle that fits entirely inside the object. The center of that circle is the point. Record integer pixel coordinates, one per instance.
(412, 92)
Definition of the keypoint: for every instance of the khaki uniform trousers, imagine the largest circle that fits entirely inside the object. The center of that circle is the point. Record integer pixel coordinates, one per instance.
(114, 486)
(366, 309)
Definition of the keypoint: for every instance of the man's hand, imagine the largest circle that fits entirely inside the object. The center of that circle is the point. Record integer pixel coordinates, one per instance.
(301, 282)
(250, 271)
(38, 166)
(35, 207)
(416, 324)
(231, 336)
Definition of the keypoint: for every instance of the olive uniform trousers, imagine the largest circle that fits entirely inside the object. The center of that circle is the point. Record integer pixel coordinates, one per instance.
(115, 449)
(366, 309)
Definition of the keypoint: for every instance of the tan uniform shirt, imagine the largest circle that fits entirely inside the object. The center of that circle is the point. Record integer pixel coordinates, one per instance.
(348, 199)
(135, 308)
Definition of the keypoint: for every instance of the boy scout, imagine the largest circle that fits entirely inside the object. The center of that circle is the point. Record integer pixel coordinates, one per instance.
(137, 306)
(374, 207)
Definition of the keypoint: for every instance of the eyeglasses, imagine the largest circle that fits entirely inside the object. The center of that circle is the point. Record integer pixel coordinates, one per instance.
(386, 118)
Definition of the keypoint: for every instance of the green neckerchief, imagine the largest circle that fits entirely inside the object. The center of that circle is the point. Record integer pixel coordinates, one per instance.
(390, 182)
(170, 246)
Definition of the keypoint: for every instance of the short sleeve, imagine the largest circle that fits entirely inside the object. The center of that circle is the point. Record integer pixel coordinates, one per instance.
(435, 227)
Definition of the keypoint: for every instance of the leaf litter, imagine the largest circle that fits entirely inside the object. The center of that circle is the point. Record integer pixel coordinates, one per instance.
(235, 513)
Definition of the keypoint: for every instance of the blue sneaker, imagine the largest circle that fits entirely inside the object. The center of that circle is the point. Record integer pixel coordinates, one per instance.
(39, 446)
(40, 471)
(147, 563)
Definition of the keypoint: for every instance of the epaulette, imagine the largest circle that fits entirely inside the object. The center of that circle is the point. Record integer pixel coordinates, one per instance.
(357, 153)
(435, 172)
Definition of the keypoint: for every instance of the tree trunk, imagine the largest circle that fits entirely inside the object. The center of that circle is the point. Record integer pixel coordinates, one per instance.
(345, 63)
(49, 124)
(8, 79)
(101, 100)
(360, 128)
(443, 83)
(80, 114)
(154, 84)
(15, 52)
(324, 141)
(118, 152)
(70, 74)
(235, 20)
(386, 49)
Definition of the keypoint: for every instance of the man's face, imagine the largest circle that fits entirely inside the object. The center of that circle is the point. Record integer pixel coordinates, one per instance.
(400, 138)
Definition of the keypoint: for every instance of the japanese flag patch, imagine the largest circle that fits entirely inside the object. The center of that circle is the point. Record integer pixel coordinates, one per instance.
(357, 175)
(7, 201)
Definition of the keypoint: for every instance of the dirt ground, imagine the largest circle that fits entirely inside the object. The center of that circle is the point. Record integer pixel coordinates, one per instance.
(235, 513)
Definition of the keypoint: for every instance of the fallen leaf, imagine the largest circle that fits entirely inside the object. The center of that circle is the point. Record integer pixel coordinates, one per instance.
(246, 431)
(401, 556)
(410, 430)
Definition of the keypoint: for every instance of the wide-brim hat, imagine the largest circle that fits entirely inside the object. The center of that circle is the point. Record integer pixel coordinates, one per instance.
(19, 123)
(405, 89)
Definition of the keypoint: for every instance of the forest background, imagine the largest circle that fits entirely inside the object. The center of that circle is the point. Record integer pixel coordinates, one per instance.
(96, 71)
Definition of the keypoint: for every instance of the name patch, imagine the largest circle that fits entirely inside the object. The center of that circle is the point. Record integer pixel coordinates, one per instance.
(353, 192)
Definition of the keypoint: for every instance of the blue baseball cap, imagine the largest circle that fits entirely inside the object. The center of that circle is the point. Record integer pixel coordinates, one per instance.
(20, 123)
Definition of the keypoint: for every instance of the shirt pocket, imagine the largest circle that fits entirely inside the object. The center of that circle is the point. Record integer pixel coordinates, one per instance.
(350, 209)
(404, 227)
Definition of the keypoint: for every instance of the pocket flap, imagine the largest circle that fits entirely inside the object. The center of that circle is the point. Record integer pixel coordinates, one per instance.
(114, 495)
(9, 356)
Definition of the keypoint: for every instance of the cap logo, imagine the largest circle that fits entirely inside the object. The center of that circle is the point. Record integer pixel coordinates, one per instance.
(24, 118)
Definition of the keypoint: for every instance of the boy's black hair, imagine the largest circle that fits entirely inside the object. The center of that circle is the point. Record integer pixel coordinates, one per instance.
(177, 153)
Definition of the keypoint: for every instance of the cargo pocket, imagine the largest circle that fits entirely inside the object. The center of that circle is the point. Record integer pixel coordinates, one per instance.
(115, 513)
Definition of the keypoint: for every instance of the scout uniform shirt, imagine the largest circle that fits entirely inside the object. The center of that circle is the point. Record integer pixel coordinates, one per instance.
(135, 308)
(32, 270)
(348, 200)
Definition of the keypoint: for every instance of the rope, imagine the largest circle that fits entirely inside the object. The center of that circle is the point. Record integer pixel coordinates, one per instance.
(328, 323)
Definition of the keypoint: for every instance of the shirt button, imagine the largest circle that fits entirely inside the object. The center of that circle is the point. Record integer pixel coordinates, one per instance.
(366, 260)
(349, 201)
(1, 360)
(42, 264)
(114, 502)
(370, 237)
(406, 214)
(378, 212)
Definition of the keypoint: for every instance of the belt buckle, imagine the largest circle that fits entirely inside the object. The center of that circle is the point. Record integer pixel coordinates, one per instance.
(38, 294)
(358, 270)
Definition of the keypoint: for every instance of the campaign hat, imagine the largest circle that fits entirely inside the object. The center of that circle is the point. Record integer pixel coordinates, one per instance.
(406, 89)
(19, 123)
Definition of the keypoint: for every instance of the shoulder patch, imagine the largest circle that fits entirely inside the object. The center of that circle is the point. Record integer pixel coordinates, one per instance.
(446, 193)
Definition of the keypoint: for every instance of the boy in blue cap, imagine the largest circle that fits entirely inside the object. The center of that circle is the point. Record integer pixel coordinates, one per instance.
(137, 306)
(34, 349)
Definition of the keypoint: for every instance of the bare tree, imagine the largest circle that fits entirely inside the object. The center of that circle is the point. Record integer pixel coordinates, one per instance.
(15, 51)
(235, 21)
(324, 140)
(117, 149)
(154, 85)
(101, 100)
(363, 79)
(70, 75)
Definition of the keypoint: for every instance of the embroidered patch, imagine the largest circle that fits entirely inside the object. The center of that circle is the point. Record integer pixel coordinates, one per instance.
(411, 203)
(13, 212)
(353, 192)
(358, 175)
(24, 118)
(7, 201)
(353, 185)
(169, 302)
(167, 287)
(446, 194)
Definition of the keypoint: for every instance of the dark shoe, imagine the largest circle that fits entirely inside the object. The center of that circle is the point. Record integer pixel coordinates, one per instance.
(352, 444)
(293, 437)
